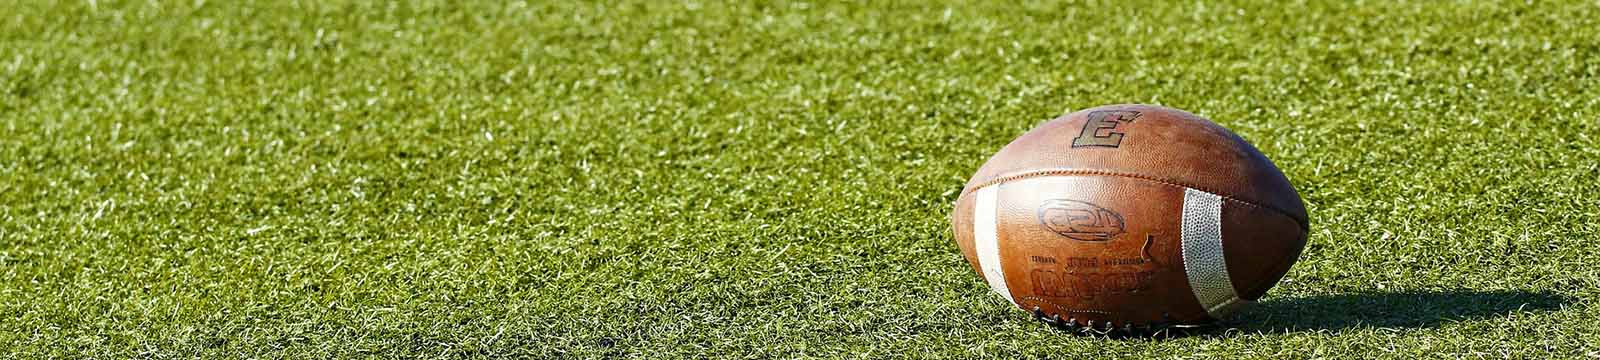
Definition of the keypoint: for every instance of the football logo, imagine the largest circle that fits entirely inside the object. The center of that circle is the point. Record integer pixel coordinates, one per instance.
(1100, 129)
(1080, 220)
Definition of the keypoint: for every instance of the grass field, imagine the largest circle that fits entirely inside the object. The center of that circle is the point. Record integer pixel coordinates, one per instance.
(647, 179)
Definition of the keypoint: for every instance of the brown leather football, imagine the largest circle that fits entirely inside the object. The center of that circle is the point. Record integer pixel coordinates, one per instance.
(1130, 217)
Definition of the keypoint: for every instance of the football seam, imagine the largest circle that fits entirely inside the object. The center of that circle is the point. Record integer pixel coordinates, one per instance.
(1057, 172)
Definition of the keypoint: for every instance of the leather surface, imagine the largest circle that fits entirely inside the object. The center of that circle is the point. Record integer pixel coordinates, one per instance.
(1135, 275)
(961, 220)
(1259, 246)
(1092, 233)
(1160, 143)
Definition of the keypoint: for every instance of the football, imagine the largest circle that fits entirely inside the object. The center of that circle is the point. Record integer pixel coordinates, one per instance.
(1130, 218)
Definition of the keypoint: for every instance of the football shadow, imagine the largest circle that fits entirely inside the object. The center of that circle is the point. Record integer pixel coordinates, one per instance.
(1391, 310)
(1401, 310)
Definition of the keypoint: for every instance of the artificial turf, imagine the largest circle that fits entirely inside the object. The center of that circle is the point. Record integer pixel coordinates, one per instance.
(652, 179)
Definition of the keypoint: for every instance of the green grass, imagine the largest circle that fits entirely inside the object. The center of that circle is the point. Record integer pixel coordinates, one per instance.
(659, 180)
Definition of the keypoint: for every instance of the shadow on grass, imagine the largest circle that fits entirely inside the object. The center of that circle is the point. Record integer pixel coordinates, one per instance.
(1396, 310)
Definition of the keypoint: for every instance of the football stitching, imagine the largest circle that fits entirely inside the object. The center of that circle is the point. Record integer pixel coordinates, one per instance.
(1048, 172)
